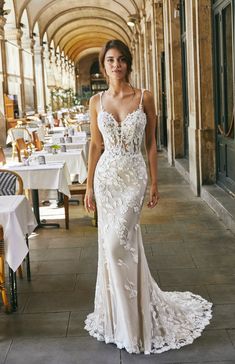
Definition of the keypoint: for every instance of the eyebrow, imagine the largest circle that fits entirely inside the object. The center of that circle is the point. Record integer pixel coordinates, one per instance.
(114, 57)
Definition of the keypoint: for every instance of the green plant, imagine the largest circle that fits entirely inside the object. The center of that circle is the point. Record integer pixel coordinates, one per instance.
(55, 146)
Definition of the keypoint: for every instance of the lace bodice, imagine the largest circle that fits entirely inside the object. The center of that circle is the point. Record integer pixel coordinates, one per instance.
(122, 138)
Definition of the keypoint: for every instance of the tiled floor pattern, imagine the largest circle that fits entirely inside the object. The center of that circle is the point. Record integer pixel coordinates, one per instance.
(187, 247)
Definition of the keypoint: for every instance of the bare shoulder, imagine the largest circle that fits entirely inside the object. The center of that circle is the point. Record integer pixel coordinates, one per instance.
(148, 96)
(148, 101)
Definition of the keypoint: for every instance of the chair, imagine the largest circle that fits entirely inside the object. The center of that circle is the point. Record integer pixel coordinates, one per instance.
(21, 148)
(2, 157)
(10, 183)
(75, 189)
(2, 273)
(18, 133)
(36, 141)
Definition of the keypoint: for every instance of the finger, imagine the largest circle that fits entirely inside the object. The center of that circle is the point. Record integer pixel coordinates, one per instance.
(89, 205)
(153, 202)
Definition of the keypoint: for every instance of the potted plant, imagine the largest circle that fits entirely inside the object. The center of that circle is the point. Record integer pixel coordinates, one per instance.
(55, 148)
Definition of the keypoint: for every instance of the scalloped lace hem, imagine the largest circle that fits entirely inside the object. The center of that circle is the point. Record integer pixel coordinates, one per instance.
(156, 347)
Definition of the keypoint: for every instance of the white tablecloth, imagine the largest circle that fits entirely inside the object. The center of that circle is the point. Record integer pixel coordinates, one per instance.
(17, 219)
(75, 138)
(74, 159)
(81, 144)
(51, 176)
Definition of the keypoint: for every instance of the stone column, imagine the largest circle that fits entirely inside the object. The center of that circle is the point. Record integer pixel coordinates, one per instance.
(32, 45)
(155, 14)
(39, 79)
(15, 69)
(144, 32)
(173, 80)
(137, 52)
(141, 60)
(158, 48)
(21, 50)
(200, 87)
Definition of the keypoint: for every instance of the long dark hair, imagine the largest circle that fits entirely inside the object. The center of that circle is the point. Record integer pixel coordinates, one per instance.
(123, 48)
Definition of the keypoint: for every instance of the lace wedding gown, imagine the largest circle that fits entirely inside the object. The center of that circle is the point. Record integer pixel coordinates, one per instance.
(130, 309)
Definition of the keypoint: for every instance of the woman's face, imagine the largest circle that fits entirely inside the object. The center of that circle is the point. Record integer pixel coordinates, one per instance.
(115, 64)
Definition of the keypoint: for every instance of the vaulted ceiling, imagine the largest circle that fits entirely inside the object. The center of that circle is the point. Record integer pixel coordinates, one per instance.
(78, 27)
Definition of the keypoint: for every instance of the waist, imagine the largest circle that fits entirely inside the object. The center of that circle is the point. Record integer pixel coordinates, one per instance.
(117, 152)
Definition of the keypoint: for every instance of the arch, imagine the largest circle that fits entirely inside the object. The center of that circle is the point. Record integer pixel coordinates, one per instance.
(25, 26)
(68, 26)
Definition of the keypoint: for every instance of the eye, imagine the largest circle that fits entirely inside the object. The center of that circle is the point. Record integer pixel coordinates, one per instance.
(123, 59)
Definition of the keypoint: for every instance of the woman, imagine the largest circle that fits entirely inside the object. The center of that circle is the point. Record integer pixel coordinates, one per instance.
(130, 309)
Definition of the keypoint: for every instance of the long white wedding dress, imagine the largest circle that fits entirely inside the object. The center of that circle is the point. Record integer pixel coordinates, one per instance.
(131, 311)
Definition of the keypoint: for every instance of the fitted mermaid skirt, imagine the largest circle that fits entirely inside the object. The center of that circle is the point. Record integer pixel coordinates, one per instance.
(130, 310)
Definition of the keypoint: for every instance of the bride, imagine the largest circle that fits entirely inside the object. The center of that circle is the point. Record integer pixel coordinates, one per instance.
(130, 310)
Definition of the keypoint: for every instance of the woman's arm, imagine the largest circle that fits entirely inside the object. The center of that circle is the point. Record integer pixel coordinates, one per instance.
(151, 148)
(95, 149)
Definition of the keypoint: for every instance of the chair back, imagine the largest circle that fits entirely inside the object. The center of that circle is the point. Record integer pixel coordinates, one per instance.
(16, 133)
(10, 183)
(36, 141)
(21, 148)
(2, 157)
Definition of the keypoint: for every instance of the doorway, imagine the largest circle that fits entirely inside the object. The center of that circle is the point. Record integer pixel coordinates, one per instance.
(224, 81)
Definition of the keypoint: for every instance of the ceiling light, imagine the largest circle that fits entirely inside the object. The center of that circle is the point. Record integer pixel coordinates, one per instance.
(132, 19)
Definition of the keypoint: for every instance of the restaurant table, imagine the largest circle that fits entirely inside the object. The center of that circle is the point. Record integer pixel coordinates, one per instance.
(17, 219)
(50, 176)
(74, 159)
(18, 222)
(80, 144)
(56, 138)
(57, 129)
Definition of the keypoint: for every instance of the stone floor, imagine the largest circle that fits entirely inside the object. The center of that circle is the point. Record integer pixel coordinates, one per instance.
(187, 247)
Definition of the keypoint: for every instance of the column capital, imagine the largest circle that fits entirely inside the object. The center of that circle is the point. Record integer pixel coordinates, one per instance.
(38, 50)
(14, 34)
(28, 44)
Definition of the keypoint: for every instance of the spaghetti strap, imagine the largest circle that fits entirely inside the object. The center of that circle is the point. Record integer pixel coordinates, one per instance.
(141, 98)
(101, 106)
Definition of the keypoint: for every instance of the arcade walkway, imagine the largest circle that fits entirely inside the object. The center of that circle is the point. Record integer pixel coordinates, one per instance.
(188, 248)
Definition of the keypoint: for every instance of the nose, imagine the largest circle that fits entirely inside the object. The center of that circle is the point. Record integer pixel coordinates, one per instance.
(117, 63)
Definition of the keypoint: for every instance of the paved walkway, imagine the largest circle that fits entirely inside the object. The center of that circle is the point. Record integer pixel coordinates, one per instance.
(188, 248)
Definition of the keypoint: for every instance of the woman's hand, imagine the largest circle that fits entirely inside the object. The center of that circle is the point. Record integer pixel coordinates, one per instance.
(154, 197)
(89, 201)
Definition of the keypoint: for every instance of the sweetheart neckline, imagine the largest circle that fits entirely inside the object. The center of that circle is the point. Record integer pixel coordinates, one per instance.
(119, 123)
